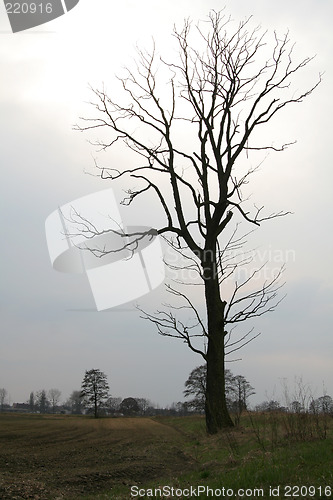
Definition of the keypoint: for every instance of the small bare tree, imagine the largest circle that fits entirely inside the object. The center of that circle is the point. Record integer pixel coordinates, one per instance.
(54, 398)
(192, 134)
(242, 391)
(3, 396)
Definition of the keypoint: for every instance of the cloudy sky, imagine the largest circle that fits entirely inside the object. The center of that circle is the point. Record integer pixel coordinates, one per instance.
(49, 333)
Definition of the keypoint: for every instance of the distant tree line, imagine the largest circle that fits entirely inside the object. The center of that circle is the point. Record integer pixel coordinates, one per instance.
(323, 404)
(94, 398)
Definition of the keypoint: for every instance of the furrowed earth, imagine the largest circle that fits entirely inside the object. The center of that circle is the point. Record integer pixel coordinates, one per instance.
(65, 457)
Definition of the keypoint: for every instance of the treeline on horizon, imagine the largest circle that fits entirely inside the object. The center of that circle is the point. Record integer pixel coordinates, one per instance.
(238, 392)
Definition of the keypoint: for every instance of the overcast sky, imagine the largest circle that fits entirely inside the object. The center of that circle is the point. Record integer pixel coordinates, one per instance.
(46, 341)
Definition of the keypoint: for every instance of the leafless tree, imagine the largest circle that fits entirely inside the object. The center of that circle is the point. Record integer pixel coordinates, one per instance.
(242, 391)
(191, 124)
(144, 405)
(113, 403)
(3, 396)
(54, 398)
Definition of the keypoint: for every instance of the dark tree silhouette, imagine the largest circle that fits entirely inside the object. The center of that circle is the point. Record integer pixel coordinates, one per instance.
(129, 406)
(42, 402)
(191, 124)
(237, 390)
(94, 390)
(195, 386)
(74, 402)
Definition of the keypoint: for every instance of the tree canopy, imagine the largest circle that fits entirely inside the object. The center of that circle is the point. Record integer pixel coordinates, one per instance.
(94, 390)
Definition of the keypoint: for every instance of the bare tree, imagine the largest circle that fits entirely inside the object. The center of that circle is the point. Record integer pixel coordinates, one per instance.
(191, 124)
(242, 391)
(113, 404)
(54, 398)
(3, 396)
(144, 405)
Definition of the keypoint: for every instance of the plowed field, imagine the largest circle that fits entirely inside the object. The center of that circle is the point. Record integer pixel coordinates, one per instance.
(67, 457)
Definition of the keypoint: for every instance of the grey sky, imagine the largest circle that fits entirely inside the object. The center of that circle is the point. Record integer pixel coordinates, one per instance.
(45, 342)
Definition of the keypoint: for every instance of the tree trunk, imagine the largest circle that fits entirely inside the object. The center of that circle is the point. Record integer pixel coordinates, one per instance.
(95, 406)
(217, 414)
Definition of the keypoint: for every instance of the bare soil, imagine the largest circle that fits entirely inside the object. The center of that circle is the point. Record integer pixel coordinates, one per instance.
(68, 457)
